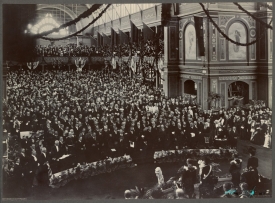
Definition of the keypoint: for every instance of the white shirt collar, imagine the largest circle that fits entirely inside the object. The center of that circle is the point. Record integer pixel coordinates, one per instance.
(34, 157)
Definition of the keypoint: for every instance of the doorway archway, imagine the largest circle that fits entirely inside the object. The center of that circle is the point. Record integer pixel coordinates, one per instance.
(238, 93)
(190, 87)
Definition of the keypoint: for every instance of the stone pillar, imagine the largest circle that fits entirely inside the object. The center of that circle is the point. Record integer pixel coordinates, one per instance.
(171, 68)
(157, 79)
(69, 67)
(265, 56)
(270, 89)
(204, 93)
(4, 82)
(43, 68)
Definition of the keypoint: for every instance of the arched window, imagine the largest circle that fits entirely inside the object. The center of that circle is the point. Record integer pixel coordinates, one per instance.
(46, 24)
(190, 43)
(237, 32)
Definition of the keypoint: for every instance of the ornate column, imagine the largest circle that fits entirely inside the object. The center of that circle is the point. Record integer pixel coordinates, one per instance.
(4, 82)
(171, 68)
(264, 56)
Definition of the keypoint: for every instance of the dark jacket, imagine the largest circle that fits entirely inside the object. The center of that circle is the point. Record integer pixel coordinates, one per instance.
(189, 176)
(206, 175)
(252, 162)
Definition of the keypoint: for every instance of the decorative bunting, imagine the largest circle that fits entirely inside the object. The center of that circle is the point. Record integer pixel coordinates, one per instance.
(134, 32)
(93, 41)
(80, 63)
(99, 39)
(123, 38)
(199, 34)
(32, 65)
(148, 33)
(106, 40)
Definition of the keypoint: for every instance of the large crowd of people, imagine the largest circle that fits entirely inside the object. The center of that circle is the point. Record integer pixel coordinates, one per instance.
(147, 49)
(92, 115)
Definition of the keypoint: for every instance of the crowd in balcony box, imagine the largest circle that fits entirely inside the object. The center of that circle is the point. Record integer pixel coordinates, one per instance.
(148, 49)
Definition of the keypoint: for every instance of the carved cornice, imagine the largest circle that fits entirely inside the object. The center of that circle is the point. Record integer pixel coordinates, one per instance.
(195, 77)
(225, 19)
(238, 78)
(237, 71)
(250, 21)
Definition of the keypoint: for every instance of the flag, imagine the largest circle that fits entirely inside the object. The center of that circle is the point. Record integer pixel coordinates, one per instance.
(134, 32)
(114, 63)
(114, 38)
(199, 34)
(148, 33)
(99, 39)
(106, 40)
(133, 65)
(123, 38)
(161, 71)
(93, 41)
(92, 31)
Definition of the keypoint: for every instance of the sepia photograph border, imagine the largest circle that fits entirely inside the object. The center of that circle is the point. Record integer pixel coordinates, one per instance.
(251, 200)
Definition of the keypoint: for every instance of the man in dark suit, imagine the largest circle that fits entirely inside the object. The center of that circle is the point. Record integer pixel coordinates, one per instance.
(43, 158)
(123, 145)
(17, 178)
(233, 137)
(42, 169)
(62, 145)
(188, 178)
(192, 136)
(142, 147)
(32, 168)
(163, 139)
(44, 174)
(79, 150)
(56, 151)
(23, 158)
(93, 143)
(252, 160)
(55, 155)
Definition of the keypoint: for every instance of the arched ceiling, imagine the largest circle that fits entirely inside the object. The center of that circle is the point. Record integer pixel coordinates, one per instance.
(62, 13)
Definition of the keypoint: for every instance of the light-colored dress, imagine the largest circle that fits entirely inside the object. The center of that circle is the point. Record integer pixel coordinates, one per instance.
(267, 141)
